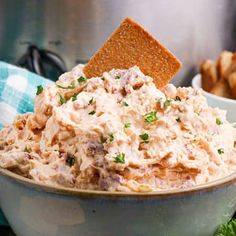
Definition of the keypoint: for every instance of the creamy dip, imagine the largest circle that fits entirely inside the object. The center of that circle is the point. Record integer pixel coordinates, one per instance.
(119, 132)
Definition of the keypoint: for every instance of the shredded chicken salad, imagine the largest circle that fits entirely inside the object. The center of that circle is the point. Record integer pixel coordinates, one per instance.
(119, 132)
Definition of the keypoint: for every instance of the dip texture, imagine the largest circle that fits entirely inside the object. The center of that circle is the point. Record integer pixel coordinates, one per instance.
(119, 132)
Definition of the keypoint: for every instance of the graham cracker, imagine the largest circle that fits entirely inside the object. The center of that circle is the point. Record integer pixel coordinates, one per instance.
(131, 45)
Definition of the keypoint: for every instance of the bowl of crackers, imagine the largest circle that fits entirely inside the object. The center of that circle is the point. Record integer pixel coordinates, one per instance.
(218, 81)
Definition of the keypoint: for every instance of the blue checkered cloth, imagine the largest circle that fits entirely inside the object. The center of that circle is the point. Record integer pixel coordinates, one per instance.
(17, 91)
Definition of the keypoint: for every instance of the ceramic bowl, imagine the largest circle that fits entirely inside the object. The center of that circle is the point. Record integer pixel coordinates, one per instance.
(34, 209)
(215, 101)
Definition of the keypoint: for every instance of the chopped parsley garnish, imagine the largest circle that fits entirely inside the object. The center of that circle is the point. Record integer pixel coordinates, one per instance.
(39, 89)
(117, 77)
(150, 117)
(71, 86)
(221, 151)
(125, 104)
(178, 119)
(62, 99)
(127, 125)
(111, 137)
(74, 98)
(167, 102)
(177, 98)
(91, 101)
(102, 78)
(228, 229)
(81, 79)
(218, 121)
(144, 137)
(120, 158)
(70, 161)
(91, 112)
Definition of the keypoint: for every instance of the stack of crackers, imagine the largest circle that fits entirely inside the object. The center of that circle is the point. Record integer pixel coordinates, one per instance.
(219, 77)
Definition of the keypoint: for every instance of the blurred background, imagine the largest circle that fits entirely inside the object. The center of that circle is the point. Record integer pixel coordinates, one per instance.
(51, 36)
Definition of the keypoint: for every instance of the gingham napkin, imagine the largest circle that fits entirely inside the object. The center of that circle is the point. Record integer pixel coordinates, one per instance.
(17, 91)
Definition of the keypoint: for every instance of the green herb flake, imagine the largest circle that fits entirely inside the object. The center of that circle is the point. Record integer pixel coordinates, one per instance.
(91, 101)
(91, 112)
(177, 98)
(62, 99)
(127, 125)
(39, 89)
(103, 78)
(74, 98)
(218, 121)
(70, 161)
(71, 86)
(144, 137)
(150, 117)
(125, 104)
(117, 77)
(120, 158)
(111, 137)
(228, 229)
(167, 102)
(82, 79)
(221, 151)
(178, 119)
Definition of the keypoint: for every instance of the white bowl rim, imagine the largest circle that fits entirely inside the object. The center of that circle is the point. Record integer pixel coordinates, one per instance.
(210, 186)
(195, 81)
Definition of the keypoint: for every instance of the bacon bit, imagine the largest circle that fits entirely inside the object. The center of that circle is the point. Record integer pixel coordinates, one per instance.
(48, 111)
(28, 156)
(123, 92)
(138, 85)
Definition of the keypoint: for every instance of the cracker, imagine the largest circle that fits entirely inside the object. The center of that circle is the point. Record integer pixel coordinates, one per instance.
(223, 63)
(232, 68)
(222, 89)
(131, 45)
(232, 83)
(209, 74)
